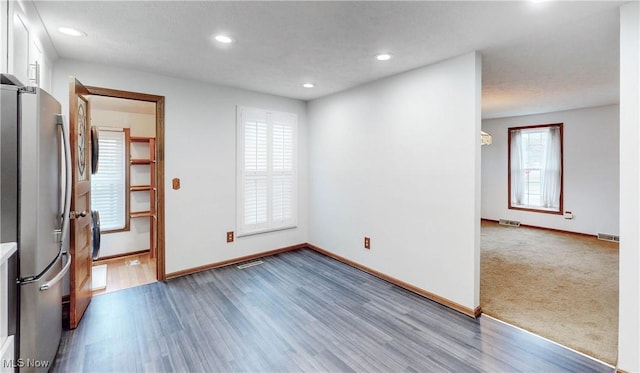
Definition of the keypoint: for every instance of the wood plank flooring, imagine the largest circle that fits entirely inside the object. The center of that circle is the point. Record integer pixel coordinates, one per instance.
(121, 274)
(298, 311)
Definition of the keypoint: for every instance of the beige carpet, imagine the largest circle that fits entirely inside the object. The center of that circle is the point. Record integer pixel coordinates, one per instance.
(558, 285)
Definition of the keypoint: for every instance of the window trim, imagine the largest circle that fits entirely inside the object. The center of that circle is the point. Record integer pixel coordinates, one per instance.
(127, 171)
(510, 206)
(240, 148)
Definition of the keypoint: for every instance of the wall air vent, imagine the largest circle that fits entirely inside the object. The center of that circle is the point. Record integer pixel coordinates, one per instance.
(608, 237)
(250, 264)
(509, 223)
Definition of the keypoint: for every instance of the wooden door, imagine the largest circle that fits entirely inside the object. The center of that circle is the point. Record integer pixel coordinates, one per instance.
(80, 234)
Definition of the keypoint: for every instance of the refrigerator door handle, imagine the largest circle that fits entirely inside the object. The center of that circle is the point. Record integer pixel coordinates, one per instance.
(59, 276)
(67, 173)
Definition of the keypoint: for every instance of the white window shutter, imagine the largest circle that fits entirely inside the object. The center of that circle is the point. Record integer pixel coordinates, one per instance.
(108, 186)
(266, 170)
(283, 193)
(255, 147)
(255, 201)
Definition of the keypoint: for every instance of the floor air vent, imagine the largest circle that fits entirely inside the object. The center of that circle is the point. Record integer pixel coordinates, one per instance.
(509, 223)
(608, 237)
(250, 264)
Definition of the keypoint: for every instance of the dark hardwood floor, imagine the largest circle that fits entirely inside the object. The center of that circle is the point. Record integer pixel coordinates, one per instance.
(298, 311)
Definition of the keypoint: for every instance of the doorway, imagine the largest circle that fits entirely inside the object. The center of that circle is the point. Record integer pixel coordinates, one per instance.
(560, 285)
(127, 191)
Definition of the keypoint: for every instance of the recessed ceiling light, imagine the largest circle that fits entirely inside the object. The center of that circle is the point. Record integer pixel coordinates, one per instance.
(224, 39)
(308, 85)
(383, 56)
(71, 31)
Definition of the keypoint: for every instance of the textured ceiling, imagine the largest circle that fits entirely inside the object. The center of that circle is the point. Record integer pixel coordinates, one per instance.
(537, 57)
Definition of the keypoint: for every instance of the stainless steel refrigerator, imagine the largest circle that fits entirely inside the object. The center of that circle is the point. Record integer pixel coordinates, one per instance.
(35, 197)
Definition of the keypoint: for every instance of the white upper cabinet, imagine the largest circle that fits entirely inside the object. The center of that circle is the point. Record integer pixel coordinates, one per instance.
(19, 49)
(4, 37)
(22, 53)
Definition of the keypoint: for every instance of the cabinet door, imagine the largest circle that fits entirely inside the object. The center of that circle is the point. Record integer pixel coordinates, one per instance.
(22, 54)
(19, 49)
(35, 64)
(4, 36)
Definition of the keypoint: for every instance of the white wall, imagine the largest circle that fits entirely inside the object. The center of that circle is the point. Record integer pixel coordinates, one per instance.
(629, 321)
(200, 124)
(398, 160)
(141, 125)
(591, 170)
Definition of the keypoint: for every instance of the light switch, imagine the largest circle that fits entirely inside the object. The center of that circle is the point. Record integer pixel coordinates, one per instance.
(176, 183)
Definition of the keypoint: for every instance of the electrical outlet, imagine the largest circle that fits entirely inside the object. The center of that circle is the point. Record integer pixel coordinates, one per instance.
(367, 243)
(230, 236)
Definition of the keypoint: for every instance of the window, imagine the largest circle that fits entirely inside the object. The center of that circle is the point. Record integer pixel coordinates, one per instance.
(535, 168)
(267, 181)
(108, 186)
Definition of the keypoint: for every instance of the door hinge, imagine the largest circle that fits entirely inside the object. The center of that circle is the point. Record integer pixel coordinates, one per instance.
(77, 214)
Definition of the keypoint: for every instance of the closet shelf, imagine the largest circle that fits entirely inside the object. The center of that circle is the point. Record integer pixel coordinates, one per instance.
(142, 161)
(138, 188)
(141, 214)
(147, 162)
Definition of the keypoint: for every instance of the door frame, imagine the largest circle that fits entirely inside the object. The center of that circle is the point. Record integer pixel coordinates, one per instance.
(161, 274)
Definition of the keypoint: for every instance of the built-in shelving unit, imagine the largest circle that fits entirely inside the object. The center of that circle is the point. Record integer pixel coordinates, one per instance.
(150, 188)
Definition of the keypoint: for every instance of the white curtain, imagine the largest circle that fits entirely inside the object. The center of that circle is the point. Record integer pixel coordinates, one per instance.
(517, 168)
(552, 170)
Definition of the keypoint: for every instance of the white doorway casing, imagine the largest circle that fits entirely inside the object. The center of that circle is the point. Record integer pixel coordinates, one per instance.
(629, 320)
